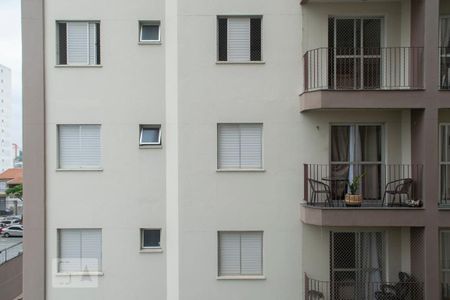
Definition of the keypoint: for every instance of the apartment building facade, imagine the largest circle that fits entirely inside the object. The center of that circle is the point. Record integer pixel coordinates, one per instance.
(198, 149)
(6, 160)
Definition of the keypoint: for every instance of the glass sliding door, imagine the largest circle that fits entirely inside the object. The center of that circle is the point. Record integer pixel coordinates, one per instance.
(356, 264)
(357, 149)
(445, 164)
(355, 53)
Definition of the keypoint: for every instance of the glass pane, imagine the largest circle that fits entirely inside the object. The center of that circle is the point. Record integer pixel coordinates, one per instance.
(372, 72)
(340, 173)
(445, 186)
(368, 143)
(445, 285)
(150, 32)
(371, 182)
(340, 141)
(348, 72)
(344, 250)
(151, 238)
(150, 136)
(444, 143)
(345, 33)
(372, 34)
(445, 32)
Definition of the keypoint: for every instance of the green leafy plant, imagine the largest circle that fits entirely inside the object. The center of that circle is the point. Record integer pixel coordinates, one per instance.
(15, 191)
(353, 186)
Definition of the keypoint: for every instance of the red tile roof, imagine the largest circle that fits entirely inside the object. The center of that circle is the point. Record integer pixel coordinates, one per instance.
(12, 176)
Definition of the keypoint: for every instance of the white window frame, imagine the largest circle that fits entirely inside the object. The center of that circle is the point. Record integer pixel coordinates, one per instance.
(240, 169)
(250, 61)
(79, 168)
(151, 23)
(100, 263)
(142, 239)
(87, 64)
(240, 276)
(141, 134)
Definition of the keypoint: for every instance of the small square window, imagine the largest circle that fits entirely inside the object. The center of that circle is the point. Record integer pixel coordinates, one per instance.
(149, 32)
(150, 238)
(150, 135)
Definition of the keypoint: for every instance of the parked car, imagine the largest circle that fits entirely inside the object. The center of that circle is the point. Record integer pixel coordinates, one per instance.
(15, 230)
(7, 223)
(11, 218)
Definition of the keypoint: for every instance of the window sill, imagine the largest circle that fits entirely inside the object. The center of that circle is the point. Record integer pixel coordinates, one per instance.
(243, 277)
(240, 170)
(80, 274)
(150, 146)
(240, 62)
(150, 43)
(151, 250)
(80, 170)
(78, 66)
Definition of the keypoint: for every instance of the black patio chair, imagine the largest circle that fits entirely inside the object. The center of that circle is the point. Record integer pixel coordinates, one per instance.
(319, 188)
(402, 290)
(398, 188)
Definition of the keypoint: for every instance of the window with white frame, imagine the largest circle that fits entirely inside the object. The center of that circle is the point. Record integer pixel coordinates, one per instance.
(240, 253)
(150, 238)
(80, 250)
(78, 43)
(79, 146)
(239, 39)
(149, 31)
(150, 135)
(445, 263)
(239, 146)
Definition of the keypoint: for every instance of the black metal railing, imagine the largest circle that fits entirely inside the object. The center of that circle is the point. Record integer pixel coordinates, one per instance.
(444, 56)
(388, 68)
(362, 290)
(381, 185)
(11, 252)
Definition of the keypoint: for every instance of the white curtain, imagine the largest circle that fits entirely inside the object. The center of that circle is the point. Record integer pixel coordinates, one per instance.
(371, 263)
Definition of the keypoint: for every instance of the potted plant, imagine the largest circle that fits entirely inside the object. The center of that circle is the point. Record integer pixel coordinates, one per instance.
(352, 198)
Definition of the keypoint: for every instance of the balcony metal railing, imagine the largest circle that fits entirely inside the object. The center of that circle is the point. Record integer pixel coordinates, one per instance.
(444, 55)
(388, 68)
(381, 185)
(362, 290)
(11, 252)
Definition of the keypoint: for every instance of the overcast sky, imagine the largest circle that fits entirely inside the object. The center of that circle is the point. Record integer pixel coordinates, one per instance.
(11, 56)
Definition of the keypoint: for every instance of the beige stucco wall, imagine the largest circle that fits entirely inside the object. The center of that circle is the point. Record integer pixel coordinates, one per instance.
(129, 193)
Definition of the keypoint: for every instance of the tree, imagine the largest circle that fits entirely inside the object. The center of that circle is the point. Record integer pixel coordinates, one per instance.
(15, 192)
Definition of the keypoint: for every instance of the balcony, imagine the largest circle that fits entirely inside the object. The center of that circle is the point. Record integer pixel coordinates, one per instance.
(391, 194)
(386, 77)
(408, 288)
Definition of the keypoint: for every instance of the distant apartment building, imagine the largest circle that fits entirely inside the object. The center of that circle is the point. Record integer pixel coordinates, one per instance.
(6, 159)
(256, 149)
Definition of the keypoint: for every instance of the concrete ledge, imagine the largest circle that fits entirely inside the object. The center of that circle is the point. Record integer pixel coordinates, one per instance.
(361, 99)
(363, 216)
